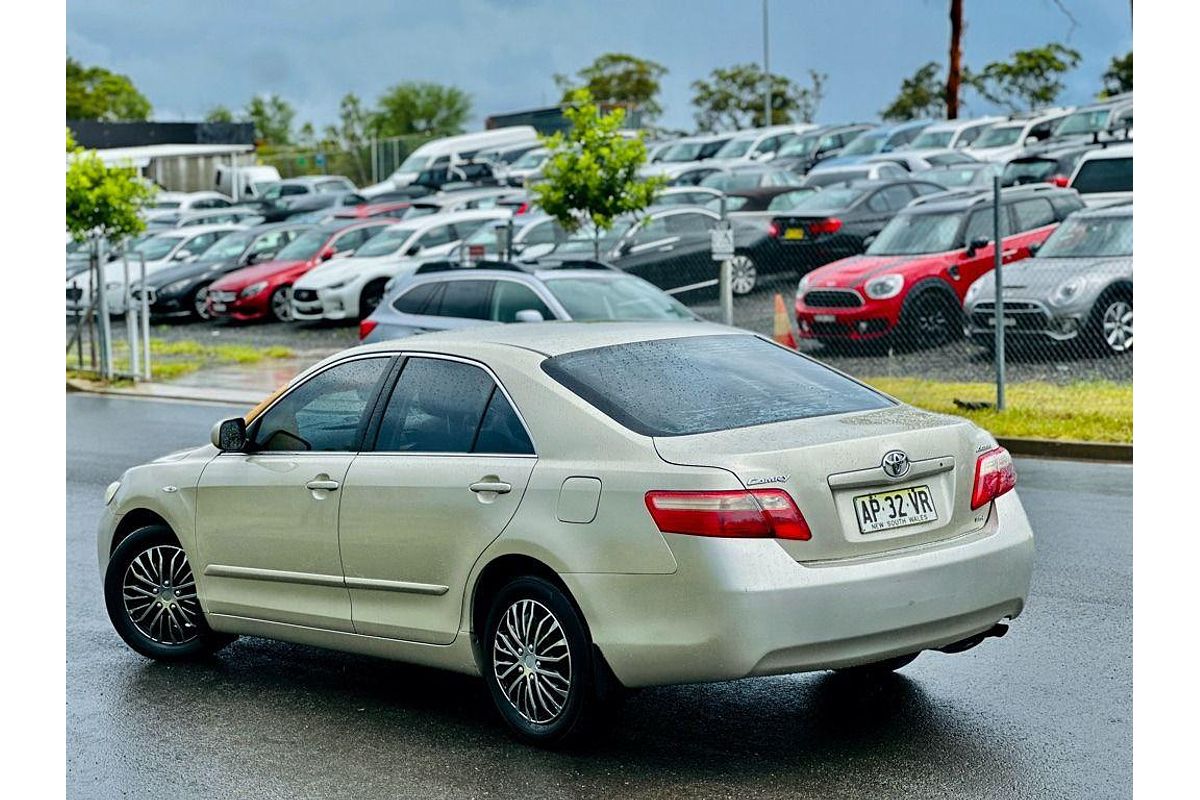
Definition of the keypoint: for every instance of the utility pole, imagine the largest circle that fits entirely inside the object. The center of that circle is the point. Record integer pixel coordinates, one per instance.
(767, 116)
(954, 74)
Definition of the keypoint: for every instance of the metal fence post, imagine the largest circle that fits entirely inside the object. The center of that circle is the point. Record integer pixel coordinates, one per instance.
(131, 321)
(997, 273)
(145, 320)
(726, 275)
(106, 365)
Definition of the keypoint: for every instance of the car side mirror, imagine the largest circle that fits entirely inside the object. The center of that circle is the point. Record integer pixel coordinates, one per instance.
(1033, 248)
(1031, 140)
(413, 249)
(975, 246)
(530, 315)
(229, 435)
(868, 239)
(327, 253)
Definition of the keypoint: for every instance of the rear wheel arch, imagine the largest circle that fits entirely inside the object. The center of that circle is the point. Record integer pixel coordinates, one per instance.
(493, 577)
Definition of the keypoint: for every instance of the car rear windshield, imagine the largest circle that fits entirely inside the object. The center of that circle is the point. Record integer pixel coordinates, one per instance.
(933, 139)
(1104, 175)
(828, 200)
(624, 298)
(701, 384)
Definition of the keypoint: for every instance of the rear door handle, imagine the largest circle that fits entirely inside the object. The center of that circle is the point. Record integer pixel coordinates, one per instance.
(329, 486)
(499, 487)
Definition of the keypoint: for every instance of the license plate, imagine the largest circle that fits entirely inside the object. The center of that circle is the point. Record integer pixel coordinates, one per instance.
(895, 508)
(824, 318)
(1008, 322)
(794, 233)
(218, 307)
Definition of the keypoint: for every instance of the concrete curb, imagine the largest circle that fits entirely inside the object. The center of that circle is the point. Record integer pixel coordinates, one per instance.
(1037, 448)
(163, 391)
(1069, 449)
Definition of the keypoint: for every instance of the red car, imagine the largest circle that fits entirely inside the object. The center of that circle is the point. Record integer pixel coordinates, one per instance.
(910, 283)
(264, 290)
(394, 209)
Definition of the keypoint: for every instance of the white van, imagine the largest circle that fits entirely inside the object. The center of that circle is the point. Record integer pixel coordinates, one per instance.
(244, 183)
(450, 150)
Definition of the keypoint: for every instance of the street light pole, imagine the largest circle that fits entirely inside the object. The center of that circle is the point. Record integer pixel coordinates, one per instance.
(766, 67)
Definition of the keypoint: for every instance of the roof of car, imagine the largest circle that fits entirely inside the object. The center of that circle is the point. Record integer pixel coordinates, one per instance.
(308, 180)
(967, 196)
(955, 124)
(196, 230)
(1115, 151)
(555, 338)
(1118, 210)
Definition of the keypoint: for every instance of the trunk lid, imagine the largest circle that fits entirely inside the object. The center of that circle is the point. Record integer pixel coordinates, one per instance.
(832, 465)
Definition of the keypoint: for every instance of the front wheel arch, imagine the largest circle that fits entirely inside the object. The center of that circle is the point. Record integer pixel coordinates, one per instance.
(132, 521)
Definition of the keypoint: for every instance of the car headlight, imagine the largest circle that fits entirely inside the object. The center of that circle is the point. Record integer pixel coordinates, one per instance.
(111, 492)
(884, 287)
(974, 290)
(803, 287)
(336, 286)
(253, 289)
(1067, 291)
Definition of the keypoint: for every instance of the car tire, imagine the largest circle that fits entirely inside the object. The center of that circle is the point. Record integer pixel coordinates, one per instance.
(548, 703)
(1112, 323)
(150, 594)
(878, 668)
(743, 275)
(371, 297)
(929, 318)
(281, 304)
(199, 304)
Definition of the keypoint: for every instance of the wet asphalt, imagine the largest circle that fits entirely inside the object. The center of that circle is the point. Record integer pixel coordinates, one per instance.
(1044, 712)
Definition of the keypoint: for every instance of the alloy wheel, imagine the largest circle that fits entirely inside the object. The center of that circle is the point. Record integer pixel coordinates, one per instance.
(281, 303)
(1117, 325)
(531, 660)
(200, 303)
(744, 275)
(159, 593)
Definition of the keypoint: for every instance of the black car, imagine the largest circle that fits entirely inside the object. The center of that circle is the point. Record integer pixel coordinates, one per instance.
(287, 198)
(835, 222)
(476, 173)
(1045, 165)
(182, 289)
(804, 151)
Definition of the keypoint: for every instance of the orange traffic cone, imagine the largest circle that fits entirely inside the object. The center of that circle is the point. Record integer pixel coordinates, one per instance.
(783, 327)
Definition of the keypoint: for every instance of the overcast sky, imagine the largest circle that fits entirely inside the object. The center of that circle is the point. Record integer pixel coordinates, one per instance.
(187, 57)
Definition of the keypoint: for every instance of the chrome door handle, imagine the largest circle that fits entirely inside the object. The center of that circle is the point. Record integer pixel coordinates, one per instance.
(329, 486)
(499, 487)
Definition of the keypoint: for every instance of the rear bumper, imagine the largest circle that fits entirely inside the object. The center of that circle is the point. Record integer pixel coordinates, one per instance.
(737, 608)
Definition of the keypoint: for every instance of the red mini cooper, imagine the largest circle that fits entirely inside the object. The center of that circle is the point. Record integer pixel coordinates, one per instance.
(910, 283)
(264, 291)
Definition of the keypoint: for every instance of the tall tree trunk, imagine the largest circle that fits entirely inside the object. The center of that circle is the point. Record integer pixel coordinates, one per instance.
(954, 78)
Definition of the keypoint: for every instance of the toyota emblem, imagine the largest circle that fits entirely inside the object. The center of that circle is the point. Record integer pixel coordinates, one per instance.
(895, 464)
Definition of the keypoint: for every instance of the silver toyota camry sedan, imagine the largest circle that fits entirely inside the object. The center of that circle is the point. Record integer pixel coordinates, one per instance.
(571, 509)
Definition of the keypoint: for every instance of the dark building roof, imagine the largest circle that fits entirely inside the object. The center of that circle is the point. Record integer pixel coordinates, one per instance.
(95, 134)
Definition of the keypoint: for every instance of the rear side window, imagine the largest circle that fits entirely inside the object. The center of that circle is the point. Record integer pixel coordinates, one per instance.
(1104, 175)
(465, 300)
(700, 384)
(1033, 213)
(419, 299)
(509, 297)
(980, 225)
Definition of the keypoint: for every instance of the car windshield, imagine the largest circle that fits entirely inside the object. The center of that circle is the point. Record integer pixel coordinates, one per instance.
(581, 241)
(735, 148)
(867, 144)
(386, 242)
(229, 247)
(912, 234)
(829, 199)
(1000, 136)
(624, 298)
(701, 384)
(1034, 170)
(683, 151)
(158, 247)
(732, 181)
(800, 146)
(832, 176)
(165, 205)
(952, 178)
(1083, 122)
(531, 160)
(1079, 237)
(933, 139)
(415, 163)
(304, 246)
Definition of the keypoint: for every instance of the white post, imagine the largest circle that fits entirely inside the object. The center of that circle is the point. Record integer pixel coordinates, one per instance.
(106, 365)
(145, 321)
(766, 67)
(131, 323)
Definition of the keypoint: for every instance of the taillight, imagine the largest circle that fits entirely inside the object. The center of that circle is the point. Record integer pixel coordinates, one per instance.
(365, 327)
(831, 225)
(773, 229)
(754, 514)
(1060, 181)
(521, 209)
(995, 474)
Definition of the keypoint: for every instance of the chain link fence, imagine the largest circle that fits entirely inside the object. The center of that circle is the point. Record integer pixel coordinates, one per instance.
(364, 165)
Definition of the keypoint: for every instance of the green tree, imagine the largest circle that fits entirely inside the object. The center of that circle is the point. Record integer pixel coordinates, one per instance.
(351, 134)
(921, 95)
(219, 113)
(619, 79)
(733, 98)
(96, 93)
(430, 109)
(272, 117)
(102, 202)
(1029, 79)
(1118, 78)
(591, 176)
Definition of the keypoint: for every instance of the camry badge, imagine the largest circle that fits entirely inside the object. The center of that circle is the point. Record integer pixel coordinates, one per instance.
(895, 464)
